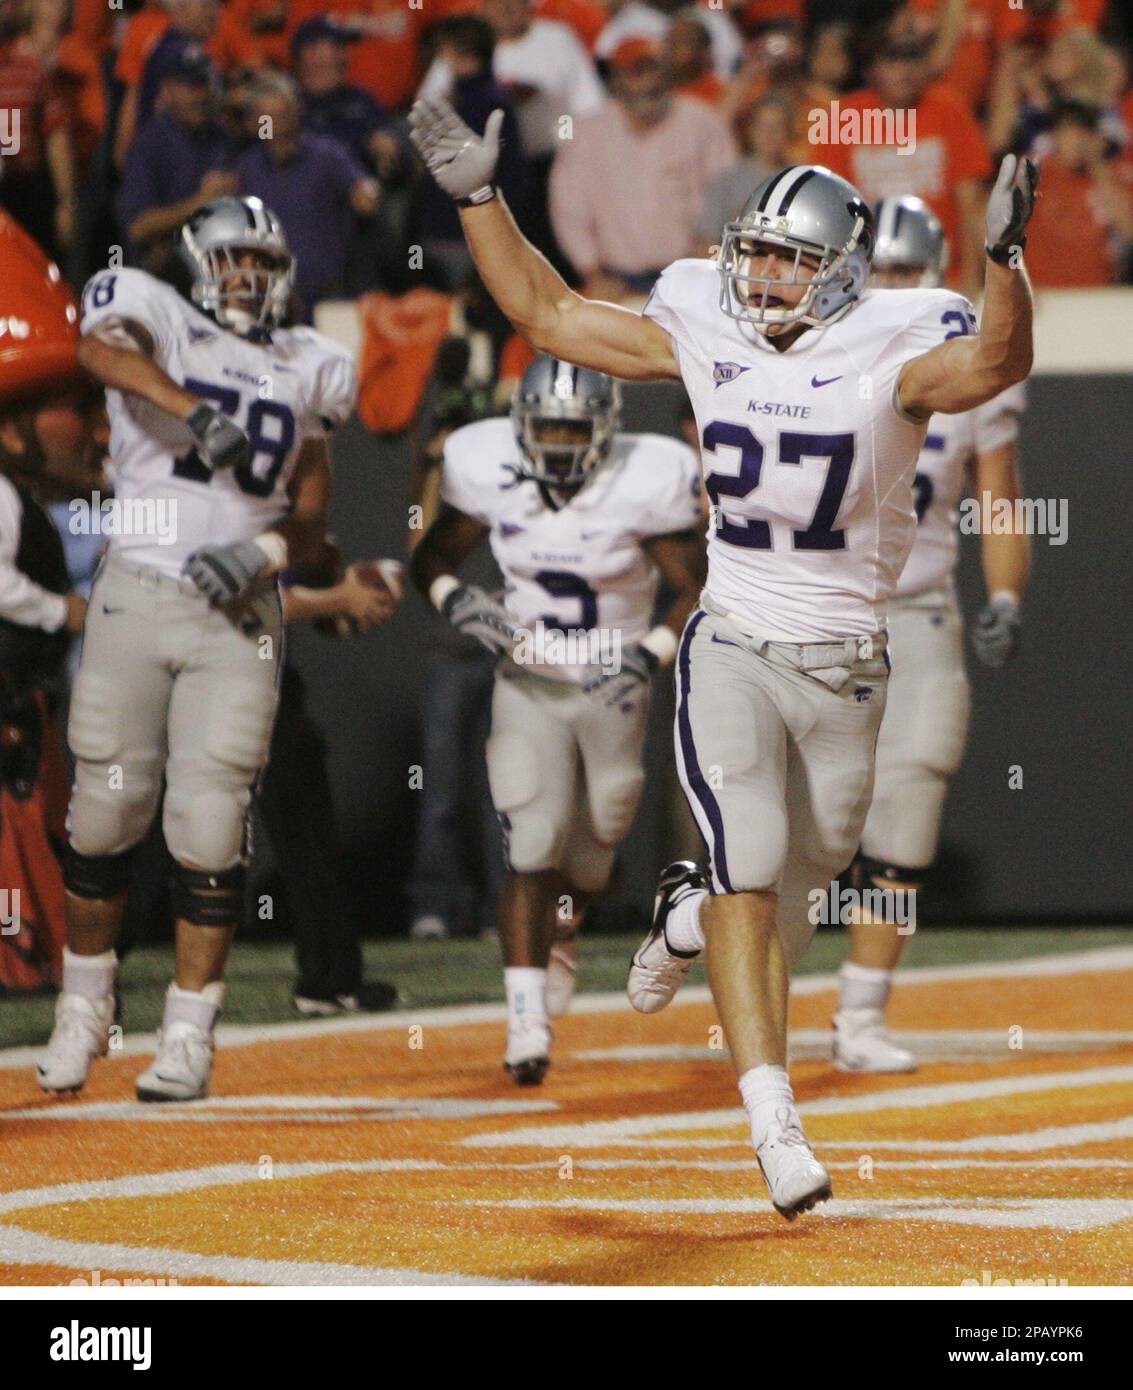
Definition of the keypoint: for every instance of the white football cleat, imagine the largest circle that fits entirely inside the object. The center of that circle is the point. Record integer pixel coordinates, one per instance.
(183, 1065)
(796, 1179)
(562, 976)
(656, 972)
(81, 1033)
(528, 1052)
(863, 1043)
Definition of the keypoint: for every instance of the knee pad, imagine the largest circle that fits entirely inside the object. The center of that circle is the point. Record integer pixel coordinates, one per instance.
(206, 826)
(866, 873)
(208, 899)
(98, 876)
(613, 805)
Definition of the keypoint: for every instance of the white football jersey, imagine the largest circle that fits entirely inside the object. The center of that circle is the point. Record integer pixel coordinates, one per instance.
(808, 459)
(297, 386)
(951, 443)
(582, 566)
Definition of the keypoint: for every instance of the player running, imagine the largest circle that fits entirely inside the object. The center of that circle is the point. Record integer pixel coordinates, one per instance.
(219, 427)
(583, 521)
(811, 398)
(922, 735)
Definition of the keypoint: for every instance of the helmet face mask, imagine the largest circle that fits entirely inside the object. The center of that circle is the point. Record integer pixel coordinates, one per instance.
(565, 418)
(806, 212)
(242, 271)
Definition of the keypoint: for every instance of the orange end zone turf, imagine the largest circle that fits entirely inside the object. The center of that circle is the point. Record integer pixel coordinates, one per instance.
(367, 1153)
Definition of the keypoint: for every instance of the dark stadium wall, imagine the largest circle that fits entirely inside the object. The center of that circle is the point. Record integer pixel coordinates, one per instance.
(1054, 849)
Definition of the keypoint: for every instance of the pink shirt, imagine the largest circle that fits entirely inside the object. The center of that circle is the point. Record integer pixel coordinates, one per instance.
(630, 201)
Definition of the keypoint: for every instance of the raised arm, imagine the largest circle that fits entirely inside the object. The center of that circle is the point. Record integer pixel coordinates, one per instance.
(965, 372)
(533, 295)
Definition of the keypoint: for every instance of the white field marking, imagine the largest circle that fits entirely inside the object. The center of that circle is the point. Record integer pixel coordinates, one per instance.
(1104, 959)
(295, 1110)
(625, 1132)
(813, 1044)
(1062, 1214)
(29, 1248)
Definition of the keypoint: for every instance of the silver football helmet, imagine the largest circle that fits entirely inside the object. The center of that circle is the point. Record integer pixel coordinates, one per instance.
(551, 392)
(806, 210)
(910, 237)
(244, 298)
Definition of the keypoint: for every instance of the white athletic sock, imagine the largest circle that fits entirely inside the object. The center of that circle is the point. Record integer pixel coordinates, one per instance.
(91, 976)
(526, 987)
(766, 1093)
(863, 987)
(683, 931)
(189, 1006)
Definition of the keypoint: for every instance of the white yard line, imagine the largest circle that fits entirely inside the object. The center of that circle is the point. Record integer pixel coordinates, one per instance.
(1106, 958)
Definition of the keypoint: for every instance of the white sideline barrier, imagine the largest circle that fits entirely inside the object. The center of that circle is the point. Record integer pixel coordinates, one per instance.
(1077, 332)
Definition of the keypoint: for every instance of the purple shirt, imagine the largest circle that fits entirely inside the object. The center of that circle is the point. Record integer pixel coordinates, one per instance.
(311, 197)
(166, 162)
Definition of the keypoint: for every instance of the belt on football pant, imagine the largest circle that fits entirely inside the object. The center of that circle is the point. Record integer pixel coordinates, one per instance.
(807, 656)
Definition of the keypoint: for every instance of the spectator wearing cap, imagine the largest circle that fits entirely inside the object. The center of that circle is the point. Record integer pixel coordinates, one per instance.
(340, 109)
(765, 137)
(1082, 230)
(627, 192)
(312, 183)
(151, 38)
(687, 50)
(933, 148)
(178, 161)
(775, 64)
(345, 112)
(386, 58)
(463, 72)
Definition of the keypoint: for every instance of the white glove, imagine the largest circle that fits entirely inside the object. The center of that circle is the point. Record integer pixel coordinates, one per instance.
(478, 615)
(461, 161)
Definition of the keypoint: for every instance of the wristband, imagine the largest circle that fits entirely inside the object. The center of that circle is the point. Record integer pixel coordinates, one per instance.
(1001, 255)
(274, 547)
(662, 644)
(440, 588)
(481, 195)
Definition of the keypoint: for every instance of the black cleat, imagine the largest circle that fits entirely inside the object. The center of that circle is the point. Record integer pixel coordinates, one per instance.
(529, 1072)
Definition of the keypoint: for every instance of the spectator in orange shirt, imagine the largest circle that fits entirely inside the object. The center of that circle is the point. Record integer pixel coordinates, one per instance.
(1033, 82)
(264, 23)
(386, 58)
(584, 17)
(1082, 230)
(942, 159)
(75, 76)
(687, 53)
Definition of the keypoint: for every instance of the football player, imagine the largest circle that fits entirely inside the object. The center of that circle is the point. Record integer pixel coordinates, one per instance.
(219, 425)
(922, 735)
(812, 396)
(583, 521)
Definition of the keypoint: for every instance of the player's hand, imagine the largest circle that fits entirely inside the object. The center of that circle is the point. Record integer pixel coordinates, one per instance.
(478, 615)
(225, 572)
(366, 599)
(635, 668)
(995, 634)
(221, 443)
(1009, 209)
(461, 161)
(76, 614)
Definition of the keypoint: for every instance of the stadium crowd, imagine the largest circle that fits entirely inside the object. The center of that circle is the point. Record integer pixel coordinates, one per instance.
(632, 129)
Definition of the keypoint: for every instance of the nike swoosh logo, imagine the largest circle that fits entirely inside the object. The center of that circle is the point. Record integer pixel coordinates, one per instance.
(814, 381)
(723, 641)
(110, 610)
